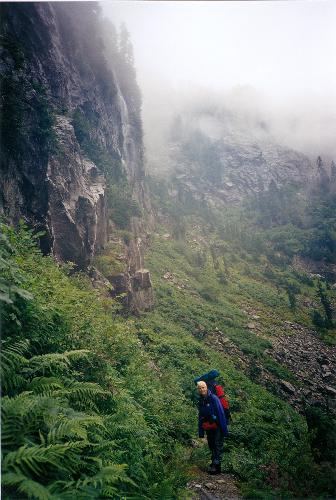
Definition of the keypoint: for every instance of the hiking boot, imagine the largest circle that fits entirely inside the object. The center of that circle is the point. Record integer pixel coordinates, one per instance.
(214, 469)
(211, 469)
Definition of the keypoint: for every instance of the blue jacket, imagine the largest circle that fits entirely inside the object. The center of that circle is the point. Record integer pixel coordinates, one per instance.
(210, 405)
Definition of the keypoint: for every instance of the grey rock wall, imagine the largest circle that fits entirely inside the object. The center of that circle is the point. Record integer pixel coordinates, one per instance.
(53, 63)
(76, 197)
(221, 158)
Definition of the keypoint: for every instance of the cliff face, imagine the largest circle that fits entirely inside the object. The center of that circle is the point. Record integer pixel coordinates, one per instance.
(72, 151)
(77, 217)
(221, 156)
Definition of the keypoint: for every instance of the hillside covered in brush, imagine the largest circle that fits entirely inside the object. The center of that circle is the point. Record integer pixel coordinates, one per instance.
(118, 287)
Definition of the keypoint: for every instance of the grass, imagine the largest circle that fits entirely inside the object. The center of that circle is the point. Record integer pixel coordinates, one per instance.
(148, 364)
(190, 303)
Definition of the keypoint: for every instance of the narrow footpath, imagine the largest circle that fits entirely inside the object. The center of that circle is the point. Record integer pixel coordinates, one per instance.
(207, 487)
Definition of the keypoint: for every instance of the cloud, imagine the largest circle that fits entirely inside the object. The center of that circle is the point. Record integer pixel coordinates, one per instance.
(284, 51)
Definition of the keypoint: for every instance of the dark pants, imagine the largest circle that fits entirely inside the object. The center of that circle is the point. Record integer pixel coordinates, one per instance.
(215, 441)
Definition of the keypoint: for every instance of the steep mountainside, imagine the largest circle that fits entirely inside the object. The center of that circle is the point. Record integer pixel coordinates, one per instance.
(98, 404)
(223, 154)
(72, 151)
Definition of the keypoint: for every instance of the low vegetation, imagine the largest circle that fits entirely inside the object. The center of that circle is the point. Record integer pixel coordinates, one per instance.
(99, 406)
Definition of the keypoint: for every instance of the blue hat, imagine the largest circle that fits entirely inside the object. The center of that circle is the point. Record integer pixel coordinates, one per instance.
(207, 376)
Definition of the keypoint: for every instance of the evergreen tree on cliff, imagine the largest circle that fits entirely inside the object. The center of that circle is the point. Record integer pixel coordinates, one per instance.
(127, 73)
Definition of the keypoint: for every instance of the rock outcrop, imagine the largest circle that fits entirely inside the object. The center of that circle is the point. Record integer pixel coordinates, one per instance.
(309, 360)
(312, 362)
(222, 156)
(71, 130)
(76, 195)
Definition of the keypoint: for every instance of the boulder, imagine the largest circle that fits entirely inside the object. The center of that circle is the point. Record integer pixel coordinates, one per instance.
(141, 279)
(288, 387)
(330, 391)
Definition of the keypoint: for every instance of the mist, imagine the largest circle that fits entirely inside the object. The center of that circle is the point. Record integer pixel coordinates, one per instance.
(271, 61)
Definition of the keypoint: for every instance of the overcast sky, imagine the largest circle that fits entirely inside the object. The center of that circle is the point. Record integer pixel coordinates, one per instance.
(285, 50)
(279, 47)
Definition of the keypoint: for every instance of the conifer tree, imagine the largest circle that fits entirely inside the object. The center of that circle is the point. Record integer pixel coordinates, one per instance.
(125, 46)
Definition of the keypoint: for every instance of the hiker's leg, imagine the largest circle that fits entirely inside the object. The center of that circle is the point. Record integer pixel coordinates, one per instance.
(211, 443)
(218, 446)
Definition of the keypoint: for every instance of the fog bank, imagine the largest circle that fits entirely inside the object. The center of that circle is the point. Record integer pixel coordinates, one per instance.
(276, 59)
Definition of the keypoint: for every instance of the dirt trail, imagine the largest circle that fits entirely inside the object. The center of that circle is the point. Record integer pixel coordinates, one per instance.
(207, 487)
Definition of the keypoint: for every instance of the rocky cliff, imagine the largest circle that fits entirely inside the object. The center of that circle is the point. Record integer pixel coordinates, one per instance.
(72, 150)
(222, 155)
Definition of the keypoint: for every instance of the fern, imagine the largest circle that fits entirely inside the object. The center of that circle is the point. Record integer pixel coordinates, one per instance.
(30, 488)
(21, 415)
(102, 483)
(24, 414)
(45, 386)
(54, 363)
(66, 429)
(75, 427)
(19, 347)
(107, 475)
(29, 460)
(110, 491)
(44, 437)
(12, 360)
(84, 394)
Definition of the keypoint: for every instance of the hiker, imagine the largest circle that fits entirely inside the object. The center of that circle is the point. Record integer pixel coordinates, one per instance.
(215, 388)
(211, 419)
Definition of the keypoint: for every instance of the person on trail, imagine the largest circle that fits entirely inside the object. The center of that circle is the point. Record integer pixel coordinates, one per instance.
(217, 389)
(212, 421)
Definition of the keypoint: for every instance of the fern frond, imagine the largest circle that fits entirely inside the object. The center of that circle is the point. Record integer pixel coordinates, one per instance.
(24, 413)
(84, 394)
(109, 492)
(12, 361)
(114, 472)
(72, 425)
(27, 486)
(108, 475)
(32, 459)
(66, 429)
(27, 460)
(21, 292)
(72, 414)
(50, 364)
(18, 415)
(45, 385)
(65, 490)
(102, 481)
(77, 354)
(11, 383)
(54, 363)
(35, 490)
(12, 478)
(19, 347)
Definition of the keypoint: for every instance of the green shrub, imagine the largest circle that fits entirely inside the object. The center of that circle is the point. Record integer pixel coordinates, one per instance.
(144, 367)
(115, 425)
